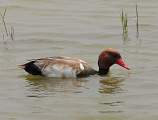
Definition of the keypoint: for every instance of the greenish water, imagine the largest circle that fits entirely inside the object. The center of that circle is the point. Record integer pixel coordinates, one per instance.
(79, 28)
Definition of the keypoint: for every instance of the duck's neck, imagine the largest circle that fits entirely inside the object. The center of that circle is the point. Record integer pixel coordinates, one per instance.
(103, 71)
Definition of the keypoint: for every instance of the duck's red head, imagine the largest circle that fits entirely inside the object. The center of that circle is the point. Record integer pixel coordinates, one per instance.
(109, 57)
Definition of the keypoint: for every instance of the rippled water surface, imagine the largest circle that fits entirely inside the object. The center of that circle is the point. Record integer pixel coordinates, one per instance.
(79, 28)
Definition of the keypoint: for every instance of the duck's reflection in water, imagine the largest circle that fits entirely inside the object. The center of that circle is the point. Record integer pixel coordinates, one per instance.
(40, 86)
(110, 89)
(110, 85)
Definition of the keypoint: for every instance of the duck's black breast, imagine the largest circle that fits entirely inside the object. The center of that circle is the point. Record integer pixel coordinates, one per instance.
(87, 71)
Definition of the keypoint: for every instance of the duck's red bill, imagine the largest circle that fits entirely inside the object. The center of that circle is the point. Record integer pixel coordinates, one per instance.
(122, 63)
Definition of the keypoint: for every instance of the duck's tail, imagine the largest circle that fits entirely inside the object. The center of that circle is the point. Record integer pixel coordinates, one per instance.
(21, 66)
(31, 68)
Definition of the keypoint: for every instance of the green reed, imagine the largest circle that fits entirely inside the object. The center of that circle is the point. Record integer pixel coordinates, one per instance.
(9, 31)
(137, 21)
(124, 20)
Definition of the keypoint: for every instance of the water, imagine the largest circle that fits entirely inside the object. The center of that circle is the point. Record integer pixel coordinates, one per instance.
(79, 28)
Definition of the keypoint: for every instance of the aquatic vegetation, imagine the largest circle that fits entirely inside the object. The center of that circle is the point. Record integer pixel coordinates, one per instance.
(8, 31)
(124, 21)
(137, 23)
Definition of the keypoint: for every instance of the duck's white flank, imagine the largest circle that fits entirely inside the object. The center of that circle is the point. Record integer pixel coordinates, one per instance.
(58, 70)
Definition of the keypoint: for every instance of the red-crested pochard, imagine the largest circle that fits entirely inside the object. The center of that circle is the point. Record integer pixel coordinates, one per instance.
(66, 67)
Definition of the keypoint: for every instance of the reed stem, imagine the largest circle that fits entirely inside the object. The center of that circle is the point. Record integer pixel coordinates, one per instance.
(124, 21)
(137, 24)
(3, 20)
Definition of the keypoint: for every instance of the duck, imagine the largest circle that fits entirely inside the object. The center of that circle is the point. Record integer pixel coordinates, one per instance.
(67, 67)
